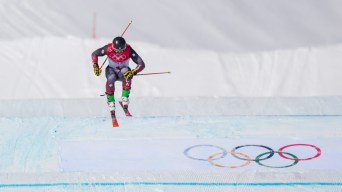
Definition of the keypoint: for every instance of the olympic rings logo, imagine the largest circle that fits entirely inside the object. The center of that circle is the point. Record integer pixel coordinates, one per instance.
(117, 57)
(258, 159)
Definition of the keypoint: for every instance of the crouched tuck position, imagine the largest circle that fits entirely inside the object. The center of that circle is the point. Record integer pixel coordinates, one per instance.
(119, 53)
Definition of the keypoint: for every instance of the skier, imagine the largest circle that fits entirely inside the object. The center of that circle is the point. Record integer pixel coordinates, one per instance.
(119, 53)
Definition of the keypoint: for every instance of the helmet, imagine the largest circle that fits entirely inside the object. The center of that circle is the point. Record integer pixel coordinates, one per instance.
(119, 44)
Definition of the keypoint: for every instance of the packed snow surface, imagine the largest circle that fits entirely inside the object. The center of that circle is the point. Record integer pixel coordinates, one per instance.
(253, 101)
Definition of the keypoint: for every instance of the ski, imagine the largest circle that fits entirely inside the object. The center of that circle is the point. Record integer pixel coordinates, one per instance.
(111, 106)
(127, 113)
(114, 120)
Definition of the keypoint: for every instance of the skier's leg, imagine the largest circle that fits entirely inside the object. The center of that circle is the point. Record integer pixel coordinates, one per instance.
(111, 78)
(110, 87)
(126, 88)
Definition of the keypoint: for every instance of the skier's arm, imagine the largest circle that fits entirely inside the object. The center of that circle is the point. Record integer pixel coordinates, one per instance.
(94, 57)
(99, 52)
(137, 59)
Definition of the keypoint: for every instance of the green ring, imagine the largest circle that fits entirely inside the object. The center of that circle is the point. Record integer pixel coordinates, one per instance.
(257, 159)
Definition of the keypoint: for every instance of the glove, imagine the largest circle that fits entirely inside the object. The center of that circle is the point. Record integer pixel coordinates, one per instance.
(129, 74)
(97, 70)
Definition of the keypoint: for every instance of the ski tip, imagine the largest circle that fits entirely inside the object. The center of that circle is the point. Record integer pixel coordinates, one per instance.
(115, 123)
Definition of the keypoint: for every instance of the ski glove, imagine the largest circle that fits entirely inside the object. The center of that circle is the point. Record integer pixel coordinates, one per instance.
(129, 74)
(97, 70)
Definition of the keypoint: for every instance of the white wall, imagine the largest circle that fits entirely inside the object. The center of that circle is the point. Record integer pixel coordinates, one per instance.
(263, 48)
(175, 107)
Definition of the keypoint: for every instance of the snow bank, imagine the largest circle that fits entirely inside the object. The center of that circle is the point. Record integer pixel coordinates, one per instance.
(219, 25)
(48, 68)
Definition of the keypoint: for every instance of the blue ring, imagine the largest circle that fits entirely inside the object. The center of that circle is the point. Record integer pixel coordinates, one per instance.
(186, 151)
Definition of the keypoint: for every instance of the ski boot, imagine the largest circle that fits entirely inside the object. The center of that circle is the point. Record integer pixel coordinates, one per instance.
(125, 101)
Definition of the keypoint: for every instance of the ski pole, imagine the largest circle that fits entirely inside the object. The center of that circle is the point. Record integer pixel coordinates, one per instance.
(126, 28)
(121, 36)
(167, 72)
(104, 62)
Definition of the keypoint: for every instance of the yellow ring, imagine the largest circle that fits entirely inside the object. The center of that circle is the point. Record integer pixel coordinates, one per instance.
(211, 157)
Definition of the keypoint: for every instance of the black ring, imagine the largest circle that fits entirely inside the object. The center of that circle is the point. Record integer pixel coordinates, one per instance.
(271, 151)
(206, 159)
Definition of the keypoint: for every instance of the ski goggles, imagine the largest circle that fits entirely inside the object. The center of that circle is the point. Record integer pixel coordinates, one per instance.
(119, 50)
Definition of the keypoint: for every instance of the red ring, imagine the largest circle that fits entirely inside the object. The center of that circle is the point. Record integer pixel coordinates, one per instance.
(299, 159)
